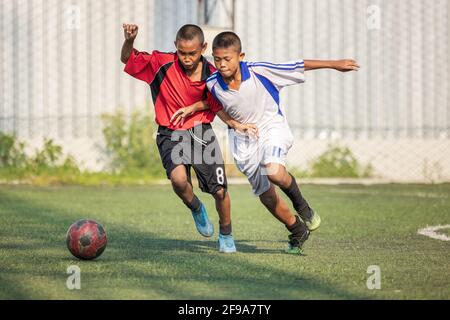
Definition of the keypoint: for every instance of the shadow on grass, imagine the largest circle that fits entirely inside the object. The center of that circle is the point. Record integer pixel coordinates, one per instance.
(163, 267)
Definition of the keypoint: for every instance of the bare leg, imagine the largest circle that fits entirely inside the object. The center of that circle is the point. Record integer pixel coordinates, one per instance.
(181, 185)
(223, 206)
(276, 205)
(279, 176)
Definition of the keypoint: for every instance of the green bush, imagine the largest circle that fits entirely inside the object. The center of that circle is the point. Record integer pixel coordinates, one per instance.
(51, 159)
(48, 156)
(131, 145)
(12, 152)
(338, 161)
(15, 164)
(134, 158)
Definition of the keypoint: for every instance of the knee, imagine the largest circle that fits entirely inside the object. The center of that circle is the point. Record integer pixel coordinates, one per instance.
(276, 174)
(220, 194)
(276, 179)
(179, 182)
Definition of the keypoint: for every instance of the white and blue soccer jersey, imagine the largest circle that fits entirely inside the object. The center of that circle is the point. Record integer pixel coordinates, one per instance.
(258, 102)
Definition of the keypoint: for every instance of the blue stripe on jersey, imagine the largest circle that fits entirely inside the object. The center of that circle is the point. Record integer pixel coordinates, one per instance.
(277, 68)
(271, 89)
(211, 79)
(276, 151)
(212, 76)
(277, 64)
(245, 74)
(222, 82)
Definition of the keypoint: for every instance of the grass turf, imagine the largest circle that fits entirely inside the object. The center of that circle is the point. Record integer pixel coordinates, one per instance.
(154, 251)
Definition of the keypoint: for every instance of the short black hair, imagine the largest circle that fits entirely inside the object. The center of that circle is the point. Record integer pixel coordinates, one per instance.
(227, 39)
(189, 32)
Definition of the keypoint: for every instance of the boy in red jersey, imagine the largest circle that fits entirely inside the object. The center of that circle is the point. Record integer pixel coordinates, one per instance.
(177, 80)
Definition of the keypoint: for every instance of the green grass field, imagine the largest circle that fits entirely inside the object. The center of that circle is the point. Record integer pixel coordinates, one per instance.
(154, 251)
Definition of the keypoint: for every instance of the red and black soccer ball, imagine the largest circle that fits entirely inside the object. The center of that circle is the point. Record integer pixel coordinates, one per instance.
(86, 239)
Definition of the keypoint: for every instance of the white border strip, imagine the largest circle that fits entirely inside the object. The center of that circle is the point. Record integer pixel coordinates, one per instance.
(431, 232)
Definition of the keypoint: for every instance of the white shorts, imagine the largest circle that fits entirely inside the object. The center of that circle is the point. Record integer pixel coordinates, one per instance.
(251, 155)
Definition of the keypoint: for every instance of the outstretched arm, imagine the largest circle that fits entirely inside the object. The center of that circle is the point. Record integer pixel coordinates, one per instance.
(185, 112)
(339, 65)
(249, 129)
(130, 32)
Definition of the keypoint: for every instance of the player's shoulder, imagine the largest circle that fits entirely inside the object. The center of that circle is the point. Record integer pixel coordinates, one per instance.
(164, 57)
(163, 53)
(212, 79)
(213, 76)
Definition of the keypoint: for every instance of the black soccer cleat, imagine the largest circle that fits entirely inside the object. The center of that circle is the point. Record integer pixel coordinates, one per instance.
(299, 234)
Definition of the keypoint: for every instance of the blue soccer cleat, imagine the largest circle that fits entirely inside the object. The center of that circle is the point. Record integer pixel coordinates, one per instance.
(204, 226)
(226, 244)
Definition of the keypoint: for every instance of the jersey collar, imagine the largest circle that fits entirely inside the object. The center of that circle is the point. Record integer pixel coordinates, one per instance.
(245, 75)
(206, 71)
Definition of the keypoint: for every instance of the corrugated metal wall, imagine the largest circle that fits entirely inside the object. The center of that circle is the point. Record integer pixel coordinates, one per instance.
(60, 67)
(402, 90)
(60, 61)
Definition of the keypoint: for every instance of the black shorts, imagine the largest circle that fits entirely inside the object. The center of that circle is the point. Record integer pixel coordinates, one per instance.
(197, 148)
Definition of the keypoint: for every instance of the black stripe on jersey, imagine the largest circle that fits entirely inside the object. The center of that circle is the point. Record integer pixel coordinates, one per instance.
(205, 93)
(206, 71)
(155, 85)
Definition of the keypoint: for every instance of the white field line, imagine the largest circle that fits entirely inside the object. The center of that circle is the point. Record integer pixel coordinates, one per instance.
(431, 232)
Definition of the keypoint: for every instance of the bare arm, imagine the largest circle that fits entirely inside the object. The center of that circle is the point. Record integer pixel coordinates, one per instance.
(250, 129)
(339, 65)
(130, 32)
(185, 112)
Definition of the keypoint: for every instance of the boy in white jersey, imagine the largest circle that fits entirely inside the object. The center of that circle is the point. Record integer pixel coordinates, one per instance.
(249, 93)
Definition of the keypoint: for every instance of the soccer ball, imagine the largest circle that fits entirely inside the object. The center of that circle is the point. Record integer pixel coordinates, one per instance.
(86, 239)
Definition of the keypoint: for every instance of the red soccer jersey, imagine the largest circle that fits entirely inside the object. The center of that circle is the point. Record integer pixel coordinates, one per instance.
(171, 88)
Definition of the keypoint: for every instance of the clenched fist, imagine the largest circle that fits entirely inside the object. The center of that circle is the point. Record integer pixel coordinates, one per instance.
(130, 31)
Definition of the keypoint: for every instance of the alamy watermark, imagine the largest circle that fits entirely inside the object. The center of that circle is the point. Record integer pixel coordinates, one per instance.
(373, 20)
(72, 17)
(374, 280)
(197, 146)
(73, 281)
